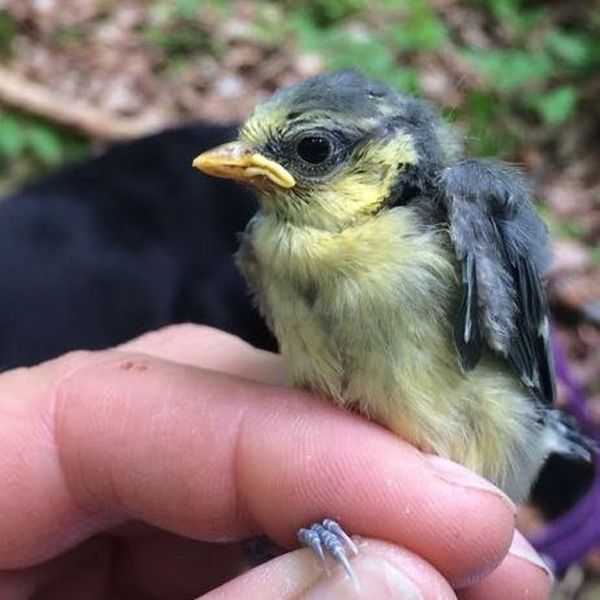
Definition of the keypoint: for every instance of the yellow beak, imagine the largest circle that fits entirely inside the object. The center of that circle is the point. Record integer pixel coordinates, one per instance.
(238, 160)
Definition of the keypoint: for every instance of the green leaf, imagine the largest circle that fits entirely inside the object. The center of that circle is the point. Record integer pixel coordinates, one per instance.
(520, 17)
(12, 136)
(45, 143)
(557, 106)
(424, 30)
(8, 31)
(571, 48)
(326, 13)
(187, 9)
(424, 36)
(510, 70)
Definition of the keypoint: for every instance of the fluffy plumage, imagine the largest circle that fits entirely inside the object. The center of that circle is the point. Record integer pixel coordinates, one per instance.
(399, 279)
(72, 250)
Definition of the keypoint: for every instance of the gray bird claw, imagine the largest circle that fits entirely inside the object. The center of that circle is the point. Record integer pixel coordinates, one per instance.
(328, 537)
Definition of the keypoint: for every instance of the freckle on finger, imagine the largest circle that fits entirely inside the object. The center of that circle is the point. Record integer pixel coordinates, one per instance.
(209, 348)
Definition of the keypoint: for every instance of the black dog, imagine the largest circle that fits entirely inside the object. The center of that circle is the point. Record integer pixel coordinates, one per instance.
(123, 244)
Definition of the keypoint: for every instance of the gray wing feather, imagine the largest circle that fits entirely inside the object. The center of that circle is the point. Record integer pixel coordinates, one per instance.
(502, 247)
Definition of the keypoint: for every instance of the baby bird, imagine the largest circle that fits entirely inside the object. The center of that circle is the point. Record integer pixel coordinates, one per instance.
(401, 279)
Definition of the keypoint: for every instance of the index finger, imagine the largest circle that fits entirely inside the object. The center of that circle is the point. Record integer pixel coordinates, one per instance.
(219, 458)
(210, 348)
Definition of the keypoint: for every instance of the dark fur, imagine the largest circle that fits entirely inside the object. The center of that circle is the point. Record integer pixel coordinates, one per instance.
(122, 244)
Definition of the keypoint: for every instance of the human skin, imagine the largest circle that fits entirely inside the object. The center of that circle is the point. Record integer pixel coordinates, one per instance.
(135, 472)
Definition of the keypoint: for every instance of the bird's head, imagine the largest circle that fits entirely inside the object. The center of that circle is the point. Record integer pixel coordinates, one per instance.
(333, 150)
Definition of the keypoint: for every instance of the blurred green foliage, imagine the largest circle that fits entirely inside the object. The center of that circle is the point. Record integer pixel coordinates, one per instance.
(531, 68)
(325, 13)
(30, 146)
(375, 40)
(177, 31)
(542, 70)
(8, 30)
(534, 76)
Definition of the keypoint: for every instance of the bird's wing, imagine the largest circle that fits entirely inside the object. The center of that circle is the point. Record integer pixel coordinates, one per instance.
(502, 247)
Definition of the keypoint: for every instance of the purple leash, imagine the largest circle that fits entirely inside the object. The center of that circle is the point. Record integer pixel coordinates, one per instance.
(569, 538)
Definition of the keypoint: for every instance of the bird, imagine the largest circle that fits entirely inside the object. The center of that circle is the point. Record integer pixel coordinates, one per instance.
(402, 279)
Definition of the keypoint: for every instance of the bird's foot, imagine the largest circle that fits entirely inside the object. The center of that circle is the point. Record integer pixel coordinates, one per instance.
(328, 537)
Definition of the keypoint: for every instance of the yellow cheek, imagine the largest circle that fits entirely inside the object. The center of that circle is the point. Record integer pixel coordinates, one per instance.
(357, 195)
(367, 183)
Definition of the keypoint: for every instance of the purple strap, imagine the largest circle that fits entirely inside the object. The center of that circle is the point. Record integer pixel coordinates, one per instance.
(570, 537)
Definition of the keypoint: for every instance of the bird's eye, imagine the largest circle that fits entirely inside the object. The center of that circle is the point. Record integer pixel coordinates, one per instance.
(314, 149)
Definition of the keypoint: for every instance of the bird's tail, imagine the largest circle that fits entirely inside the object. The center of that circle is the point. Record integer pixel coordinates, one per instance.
(564, 437)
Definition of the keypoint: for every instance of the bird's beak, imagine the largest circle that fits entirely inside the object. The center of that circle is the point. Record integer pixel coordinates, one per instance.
(239, 160)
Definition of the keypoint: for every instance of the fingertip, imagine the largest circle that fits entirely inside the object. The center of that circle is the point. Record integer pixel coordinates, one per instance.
(510, 580)
(522, 574)
(142, 437)
(382, 571)
(483, 527)
(374, 484)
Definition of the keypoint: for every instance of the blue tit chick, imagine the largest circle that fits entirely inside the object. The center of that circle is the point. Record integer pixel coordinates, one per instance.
(400, 279)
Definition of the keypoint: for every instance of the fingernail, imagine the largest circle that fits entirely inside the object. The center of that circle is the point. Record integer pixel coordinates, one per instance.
(376, 579)
(456, 474)
(522, 549)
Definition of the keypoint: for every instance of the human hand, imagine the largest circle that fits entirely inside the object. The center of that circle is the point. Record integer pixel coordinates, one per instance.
(134, 473)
